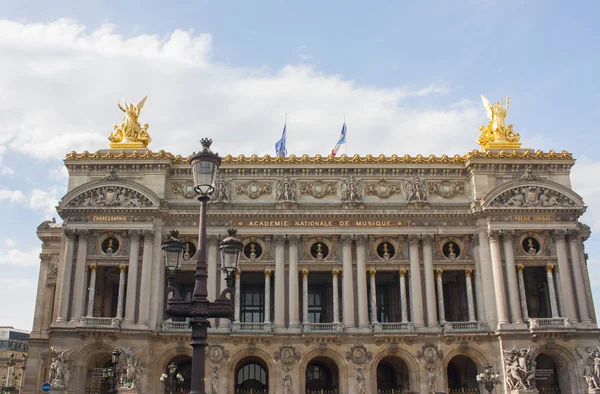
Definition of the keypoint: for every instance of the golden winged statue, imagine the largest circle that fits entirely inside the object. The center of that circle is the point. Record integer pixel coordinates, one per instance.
(130, 134)
(497, 135)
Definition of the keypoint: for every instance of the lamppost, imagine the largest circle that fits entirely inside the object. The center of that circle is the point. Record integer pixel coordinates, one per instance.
(111, 374)
(199, 309)
(9, 383)
(488, 378)
(172, 380)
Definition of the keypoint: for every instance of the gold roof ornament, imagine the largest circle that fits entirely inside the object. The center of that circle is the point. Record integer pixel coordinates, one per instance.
(130, 134)
(497, 135)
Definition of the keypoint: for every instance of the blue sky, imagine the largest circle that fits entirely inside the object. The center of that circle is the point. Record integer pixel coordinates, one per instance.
(408, 76)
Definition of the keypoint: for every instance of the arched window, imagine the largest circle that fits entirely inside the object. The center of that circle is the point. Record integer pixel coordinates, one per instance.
(251, 375)
(462, 375)
(322, 374)
(392, 375)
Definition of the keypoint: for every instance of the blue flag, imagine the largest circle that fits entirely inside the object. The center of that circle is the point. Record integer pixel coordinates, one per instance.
(280, 149)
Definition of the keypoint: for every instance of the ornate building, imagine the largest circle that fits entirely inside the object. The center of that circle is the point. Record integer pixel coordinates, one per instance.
(358, 275)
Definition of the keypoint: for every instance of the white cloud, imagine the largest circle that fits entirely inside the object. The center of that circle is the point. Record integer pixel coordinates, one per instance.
(14, 196)
(71, 79)
(17, 314)
(9, 243)
(45, 200)
(20, 258)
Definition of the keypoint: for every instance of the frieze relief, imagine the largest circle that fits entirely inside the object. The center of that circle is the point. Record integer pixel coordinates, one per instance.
(110, 196)
(185, 189)
(446, 189)
(532, 196)
(382, 189)
(352, 190)
(254, 189)
(285, 190)
(222, 193)
(216, 353)
(318, 189)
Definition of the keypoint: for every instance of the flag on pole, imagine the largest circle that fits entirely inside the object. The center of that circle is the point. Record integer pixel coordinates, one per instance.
(280, 148)
(341, 141)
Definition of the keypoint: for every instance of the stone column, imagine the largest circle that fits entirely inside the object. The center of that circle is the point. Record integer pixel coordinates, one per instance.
(212, 258)
(336, 297)
(267, 297)
(132, 277)
(522, 292)
(304, 298)
(145, 285)
(361, 282)
(294, 302)
(157, 299)
(440, 296)
(91, 291)
(347, 282)
(65, 276)
(432, 319)
(80, 277)
(121, 299)
(574, 243)
(483, 271)
(403, 303)
(559, 296)
(279, 282)
(566, 283)
(508, 237)
(470, 300)
(373, 287)
(552, 290)
(41, 298)
(237, 296)
(494, 240)
(416, 291)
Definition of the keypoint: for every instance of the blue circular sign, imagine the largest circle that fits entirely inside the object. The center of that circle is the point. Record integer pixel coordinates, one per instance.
(46, 387)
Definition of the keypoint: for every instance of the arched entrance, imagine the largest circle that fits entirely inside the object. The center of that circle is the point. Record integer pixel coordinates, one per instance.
(546, 375)
(392, 375)
(93, 383)
(462, 375)
(322, 376)
(184, 367)
(251, 376)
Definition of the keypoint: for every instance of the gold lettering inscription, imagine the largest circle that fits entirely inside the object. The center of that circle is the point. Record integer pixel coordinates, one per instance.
(319, 223)
(110, 218)
(531, 218)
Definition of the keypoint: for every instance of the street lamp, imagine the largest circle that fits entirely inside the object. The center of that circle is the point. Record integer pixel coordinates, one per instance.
(111, 374)
(9, 383)
(205, 165)
(488, 378)
(171, 380)
(172, 251)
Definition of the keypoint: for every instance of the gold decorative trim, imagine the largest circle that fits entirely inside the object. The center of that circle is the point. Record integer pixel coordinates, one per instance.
(318, 159)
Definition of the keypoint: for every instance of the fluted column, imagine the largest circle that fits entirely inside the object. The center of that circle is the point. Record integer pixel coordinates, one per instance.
(470, 299)
(80, 276)
(574, 243)
(294, 302)
(494, 240)
(91, 291)
(522, 293)
(121, 296)
(403, 303)
(237, 296)
(132, 277)
(440, 296)
(304, 297)
(267, 297)
(416, 291)
(432, 319)
(336, 296)
(347, 282)
(508, 237)
(145, 285)
(551, 290)
(485, 282)
(361, 281)
(559, 296)
(373, 287)
(279, 282)
(65, 273)
(565, 275)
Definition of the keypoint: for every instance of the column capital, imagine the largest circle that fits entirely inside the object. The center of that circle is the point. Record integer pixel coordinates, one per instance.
(468, 273)
(439, 272)
(347, 239)
(305, 272)
(44, 257)
(212, 239)
(83, 233)
(508, 235)
(70, 234)
(549, 268)
(279, 239)
(573, 233)
(558, 234)
(293, 239)
(267, 273)
(148, 234)
(427, 238)
(93, 267)
(238, 273)
(402, 273)
(361, 239)
(520, 267)
(372, 271)
(335, 273)
(493, 235)
(134, 234)
(413, 239)
(122, 268)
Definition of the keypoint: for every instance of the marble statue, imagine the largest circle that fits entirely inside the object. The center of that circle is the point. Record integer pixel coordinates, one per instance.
(520, 369)
(215, 380)
(590, 366)
(59, 374)
(133, 369)
(351, 190)
(287, 382)
(285, 191)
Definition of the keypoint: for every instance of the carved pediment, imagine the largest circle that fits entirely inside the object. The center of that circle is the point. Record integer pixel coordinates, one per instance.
(538, 194)
(105, 194)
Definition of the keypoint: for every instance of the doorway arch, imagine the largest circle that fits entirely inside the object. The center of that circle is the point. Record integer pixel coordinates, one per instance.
(392, 374)
(462, 375)
(251, 376)
(184, 367)
(546, 375)
(322, 376)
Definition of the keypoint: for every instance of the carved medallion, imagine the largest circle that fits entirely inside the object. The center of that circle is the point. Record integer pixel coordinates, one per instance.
(216, 353)
(254, 189)
(359, 354)
(318, 189)
(429, 352)
(287, 354)
(382, 189)
(446, 189)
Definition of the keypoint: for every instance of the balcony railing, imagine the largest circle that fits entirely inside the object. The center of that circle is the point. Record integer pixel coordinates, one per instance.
(251, 327)
(549, 323)
(112, 322)
(463, 326)
(405, 326)
(322, 327)
(179, 326)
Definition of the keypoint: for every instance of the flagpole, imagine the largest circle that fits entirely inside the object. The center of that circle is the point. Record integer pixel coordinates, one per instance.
(346, 134)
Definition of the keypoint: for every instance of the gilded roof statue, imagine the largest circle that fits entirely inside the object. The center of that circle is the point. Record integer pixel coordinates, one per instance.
(130, 134)
(497, 135)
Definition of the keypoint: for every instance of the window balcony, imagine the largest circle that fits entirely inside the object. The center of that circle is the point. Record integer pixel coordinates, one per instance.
(549, 323)
(393, 327)
(108, 322)
(321, 327)
(462, 326)
(175, 326)
(252, 327)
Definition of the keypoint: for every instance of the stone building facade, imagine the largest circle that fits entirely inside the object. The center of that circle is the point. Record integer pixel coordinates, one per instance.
(358, 275)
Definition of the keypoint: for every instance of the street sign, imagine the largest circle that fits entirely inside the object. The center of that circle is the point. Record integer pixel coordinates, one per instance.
(46, 387)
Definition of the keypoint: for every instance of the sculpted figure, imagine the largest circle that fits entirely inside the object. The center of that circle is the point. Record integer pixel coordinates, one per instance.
(351, 190)
(214, 381)
(496, 130)
(415, 190)
(58, 374)
(285, 190)
(222, 191)
(287, 382)
(133, 369)
(520, 369)
(362, 383)
(130, 130)
(590, 366)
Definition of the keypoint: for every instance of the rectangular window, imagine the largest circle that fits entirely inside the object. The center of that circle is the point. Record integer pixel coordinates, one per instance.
(317, 304)
(383, 303)
(252, 304)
